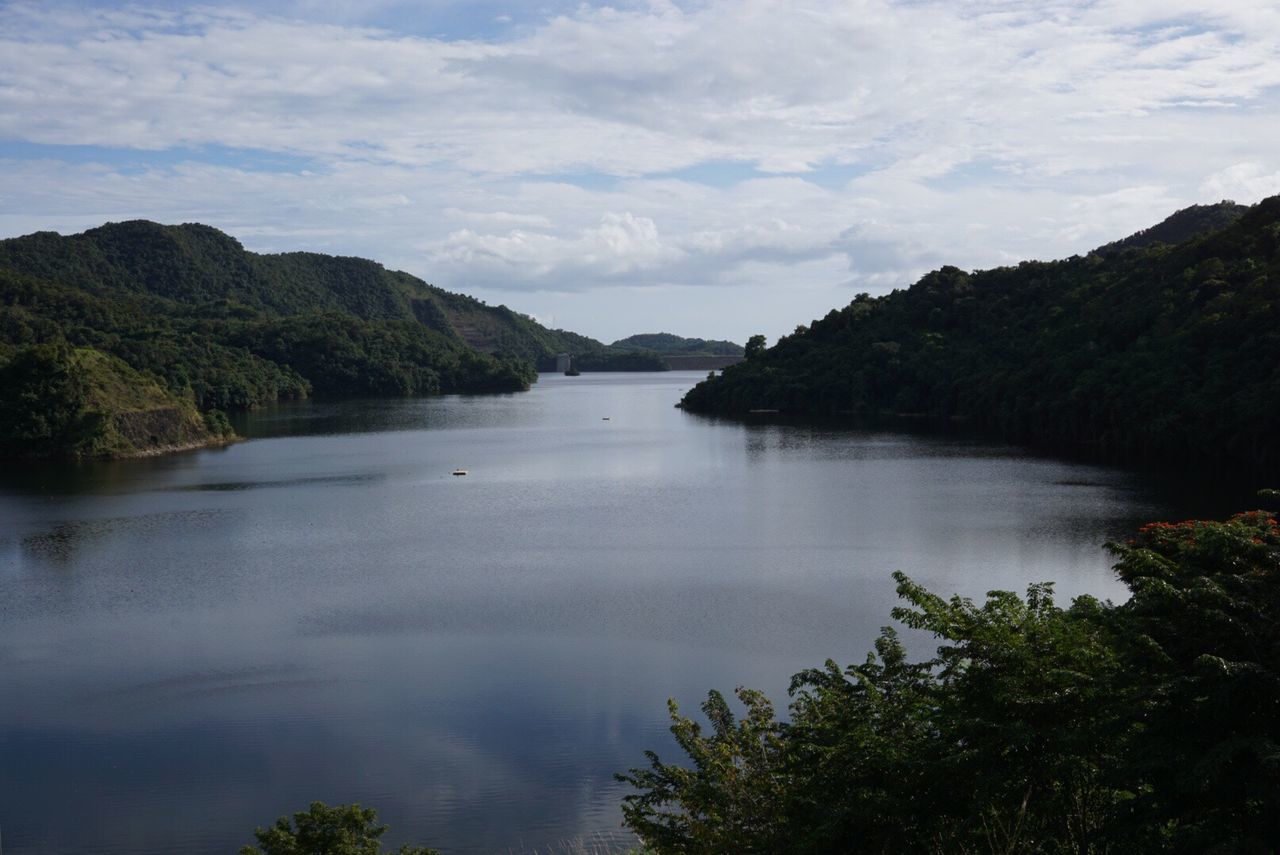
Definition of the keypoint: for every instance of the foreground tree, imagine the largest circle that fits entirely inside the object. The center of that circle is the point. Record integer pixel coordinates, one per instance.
(729, 801)
(1202, 641)
(324, 830)
(1149, 726)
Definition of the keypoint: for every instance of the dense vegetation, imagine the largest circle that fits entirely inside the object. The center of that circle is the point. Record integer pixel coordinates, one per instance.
(227, 329)
(1158, 350)
(1181, 226)
(189, 303)
(196, 265)
(1149, 726)
(674, 345)
(224, 329)
(325, 830)
(80, 402)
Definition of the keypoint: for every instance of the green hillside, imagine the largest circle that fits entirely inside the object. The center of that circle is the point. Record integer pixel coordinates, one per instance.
(1181, 226)
(228, 356)
(186, 310)
(79, 402)
(1157, 351)
(196, 265)
(191, 304)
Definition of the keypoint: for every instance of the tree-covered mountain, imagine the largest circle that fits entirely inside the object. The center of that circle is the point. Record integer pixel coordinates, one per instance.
(1181, 226)
(1157, 350)
(674, 345)
(197, 265)
(223, 329)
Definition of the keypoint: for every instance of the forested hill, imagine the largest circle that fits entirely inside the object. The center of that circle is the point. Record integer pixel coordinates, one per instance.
(1157, 351)
(1183, 225)
(197, 265)
(674, 345)
(217, 328)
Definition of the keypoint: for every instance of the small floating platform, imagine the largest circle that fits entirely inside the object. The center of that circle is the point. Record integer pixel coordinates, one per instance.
(459, 472)
(762, 411)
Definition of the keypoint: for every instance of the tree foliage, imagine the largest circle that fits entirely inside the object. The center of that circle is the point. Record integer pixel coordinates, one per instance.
(228, 330)
(1153, 725)
(1202, 642)
(727, 799)
(45, 401)
(1167, 351)
(324, 830)
(196, 265)
(79, 403)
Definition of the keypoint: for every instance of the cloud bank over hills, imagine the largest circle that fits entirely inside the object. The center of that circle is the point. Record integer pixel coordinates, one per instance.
(746, 164)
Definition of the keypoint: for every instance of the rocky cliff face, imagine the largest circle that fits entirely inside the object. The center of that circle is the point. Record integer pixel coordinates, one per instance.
(142, 432)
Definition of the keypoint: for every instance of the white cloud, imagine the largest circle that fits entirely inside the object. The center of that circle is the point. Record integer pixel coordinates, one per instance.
(973, 132)
(1247, 181)
(622, 245)
(500, 218)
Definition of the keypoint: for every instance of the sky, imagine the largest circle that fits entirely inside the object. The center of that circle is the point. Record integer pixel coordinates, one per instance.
(707, 168)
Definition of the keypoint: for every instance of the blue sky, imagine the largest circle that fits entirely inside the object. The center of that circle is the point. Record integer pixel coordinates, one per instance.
(708, 168)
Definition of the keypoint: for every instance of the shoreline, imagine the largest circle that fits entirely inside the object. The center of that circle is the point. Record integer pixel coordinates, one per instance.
(136, 454)
(161, 450)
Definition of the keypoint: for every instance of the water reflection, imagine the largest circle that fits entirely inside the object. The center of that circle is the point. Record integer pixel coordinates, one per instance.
(225, 486)
(326, 418)
(191, 646)
(65, 542)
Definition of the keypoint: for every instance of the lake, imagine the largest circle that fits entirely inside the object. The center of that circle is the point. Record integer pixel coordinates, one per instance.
(192, 645)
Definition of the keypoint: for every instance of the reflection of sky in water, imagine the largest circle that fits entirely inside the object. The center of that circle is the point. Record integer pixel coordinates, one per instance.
(192, 645)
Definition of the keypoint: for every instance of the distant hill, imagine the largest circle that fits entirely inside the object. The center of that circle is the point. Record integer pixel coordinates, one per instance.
(1181, 226)
(1160, 351)
(674, 345)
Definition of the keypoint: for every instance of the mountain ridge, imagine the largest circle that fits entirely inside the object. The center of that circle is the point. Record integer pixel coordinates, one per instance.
(194, 264)
(1182, 225)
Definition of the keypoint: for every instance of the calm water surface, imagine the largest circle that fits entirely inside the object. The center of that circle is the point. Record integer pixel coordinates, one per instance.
(193, 645)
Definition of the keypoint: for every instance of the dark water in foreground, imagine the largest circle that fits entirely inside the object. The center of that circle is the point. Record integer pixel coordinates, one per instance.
(191, 646)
